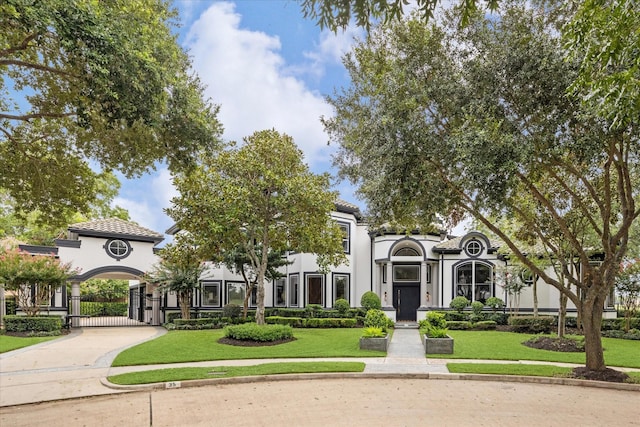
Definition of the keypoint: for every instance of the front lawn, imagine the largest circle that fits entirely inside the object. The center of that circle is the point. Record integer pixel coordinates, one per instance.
(184, 374)
(494, 345)
(194, 346)
(9, 343)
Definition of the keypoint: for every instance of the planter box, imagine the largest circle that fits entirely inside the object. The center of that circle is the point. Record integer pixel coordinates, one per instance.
(438, 345)
(378, 344)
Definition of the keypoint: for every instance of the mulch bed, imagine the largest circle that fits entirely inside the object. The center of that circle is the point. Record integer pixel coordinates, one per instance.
(247, 343)
(555, 344)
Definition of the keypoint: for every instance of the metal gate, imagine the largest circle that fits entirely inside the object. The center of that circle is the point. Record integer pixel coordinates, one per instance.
(109, 313)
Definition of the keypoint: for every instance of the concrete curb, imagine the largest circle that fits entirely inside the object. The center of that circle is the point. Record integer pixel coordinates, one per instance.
(430, 376)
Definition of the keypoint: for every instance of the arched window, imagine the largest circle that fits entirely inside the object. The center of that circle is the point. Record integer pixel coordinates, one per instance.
(474, 281)
(406, 251)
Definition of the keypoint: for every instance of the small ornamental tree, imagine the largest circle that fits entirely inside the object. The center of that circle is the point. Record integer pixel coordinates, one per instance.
(628, 289)
(179, 271)
(32, 277)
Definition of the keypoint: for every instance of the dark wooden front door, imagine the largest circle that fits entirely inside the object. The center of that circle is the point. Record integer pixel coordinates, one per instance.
(406, 300)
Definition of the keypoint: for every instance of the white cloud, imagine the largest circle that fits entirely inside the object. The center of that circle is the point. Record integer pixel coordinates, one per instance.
(245, 73)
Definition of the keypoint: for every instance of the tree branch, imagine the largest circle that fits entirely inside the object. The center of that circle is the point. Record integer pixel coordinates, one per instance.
(25, 64)
(21, 46)
(27, 117)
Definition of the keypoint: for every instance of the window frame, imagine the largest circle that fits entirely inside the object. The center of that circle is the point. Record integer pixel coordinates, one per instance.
(294, 302)
(206, 284)
(347, 291)
(226, 291)
(346, 237)
(283, 282)
(113, 254)
(413, 266)
(472, 286)
(307, 277)
(477, 248)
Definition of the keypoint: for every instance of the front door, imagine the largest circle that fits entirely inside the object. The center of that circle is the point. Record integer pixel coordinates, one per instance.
(406, 300)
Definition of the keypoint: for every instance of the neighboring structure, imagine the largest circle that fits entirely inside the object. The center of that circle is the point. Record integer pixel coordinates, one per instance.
(412, 273)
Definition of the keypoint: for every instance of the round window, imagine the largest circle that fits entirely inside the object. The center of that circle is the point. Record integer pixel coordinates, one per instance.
(473, 248)
(117, 248)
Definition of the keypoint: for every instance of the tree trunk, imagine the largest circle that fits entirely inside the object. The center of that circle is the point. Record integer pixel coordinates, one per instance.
(247, 297)
(185, 304)
(591, 310)
(535, 298)
(562, 315)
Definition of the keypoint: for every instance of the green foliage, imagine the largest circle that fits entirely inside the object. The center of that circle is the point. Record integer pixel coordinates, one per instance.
(378, 319)
(20, 272)
(32, 323)
(632, 334)
(313, 310)
(104, 290)
(454, 316)
(499, 318)
(494, 303)
(11, 306)
(484, 325)
(370, 300)
(459, 303)
(329, 323)
(104, 308)
(295, 322)
(458, 325)
(79, 85)
(434, 332)
(628, 291)
(260, 195)
(437, 319)
(342, 306)
(261, 333)
(531, 324)
(476, 308)
(232, 311)
(373, 332)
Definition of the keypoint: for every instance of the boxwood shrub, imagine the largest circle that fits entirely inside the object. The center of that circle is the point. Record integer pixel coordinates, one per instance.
(261, 333)
(531, 324)
(329, 323)
(454, 316)
(458, 325)
(484, 325)
(32, 323)
(296, 322)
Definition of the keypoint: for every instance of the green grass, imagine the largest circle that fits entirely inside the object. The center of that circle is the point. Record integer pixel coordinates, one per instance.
(193, 346)
(519, 369)
(9, 343)
(496, 345)
(183, 374)
(508, 369)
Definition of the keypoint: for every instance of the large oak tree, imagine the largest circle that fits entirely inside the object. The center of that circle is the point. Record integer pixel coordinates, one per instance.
(93, 81)
(262, 197)
(441, 119)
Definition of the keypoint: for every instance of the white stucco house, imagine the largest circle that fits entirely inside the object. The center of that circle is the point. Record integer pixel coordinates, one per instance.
(411, 272)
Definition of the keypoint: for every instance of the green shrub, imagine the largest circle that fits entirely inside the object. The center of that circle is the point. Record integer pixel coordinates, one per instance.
(436, 319)
(454, 316)
(11, 306)
(296, 322)
(377, 319)
(171, 316)
(633, 334)
(329, 323)
(261, 333)
(370, 301)
(232, 311)
(342, 306)
(193, 322)
(312, 310)
(484, 325)
(32, 323)
(94, 309)
(494, 303)
(499, 318)
(459, 303)
(373, 332)
(531, 324)
(458, 325)
(433, 332)
(476, 308)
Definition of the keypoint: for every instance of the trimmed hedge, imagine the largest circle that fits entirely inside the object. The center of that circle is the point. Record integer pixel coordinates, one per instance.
(95, 309)
(296, 322)
(484, 325)
(532, 324)
(329, 323)
(32, 323)
(261, 333)
(458, 325)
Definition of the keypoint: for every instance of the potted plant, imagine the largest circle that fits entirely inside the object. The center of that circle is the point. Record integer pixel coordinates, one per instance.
(434, 334)
(374, 335)
(374, 338)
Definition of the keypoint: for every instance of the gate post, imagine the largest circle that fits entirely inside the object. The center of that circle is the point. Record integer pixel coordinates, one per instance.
(75, 303)
(3, 306)
(155, 308)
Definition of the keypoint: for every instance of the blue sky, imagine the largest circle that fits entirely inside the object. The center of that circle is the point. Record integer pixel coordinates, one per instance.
(267, 67)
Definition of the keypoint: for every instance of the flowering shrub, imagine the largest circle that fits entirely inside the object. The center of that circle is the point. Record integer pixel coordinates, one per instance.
(32, 277)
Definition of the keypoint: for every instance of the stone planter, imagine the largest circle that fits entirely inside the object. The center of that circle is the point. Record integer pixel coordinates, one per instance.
(378, 344)
(437, 345)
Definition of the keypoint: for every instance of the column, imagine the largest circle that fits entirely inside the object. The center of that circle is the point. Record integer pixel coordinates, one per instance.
(155, 308)
(423, 284)
(388, 287)
(3, 306)
(75, 303)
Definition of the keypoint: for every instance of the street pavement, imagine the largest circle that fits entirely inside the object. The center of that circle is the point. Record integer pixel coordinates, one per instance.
(404, 388)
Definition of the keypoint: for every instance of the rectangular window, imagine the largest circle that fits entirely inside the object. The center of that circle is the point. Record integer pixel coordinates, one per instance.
(294, 290)
(211, 294)
(315, 288)
(406, 273)
(340, 287)
(384, 273)
(280, 292)
(235, 293)
(346, 234)
(428, 272)
(253, 301)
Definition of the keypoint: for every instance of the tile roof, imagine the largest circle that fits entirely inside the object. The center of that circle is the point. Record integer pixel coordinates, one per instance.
(115, 226)
(455, 243)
